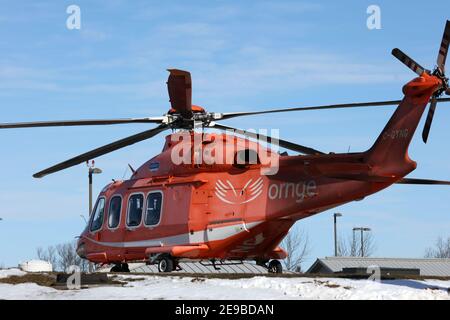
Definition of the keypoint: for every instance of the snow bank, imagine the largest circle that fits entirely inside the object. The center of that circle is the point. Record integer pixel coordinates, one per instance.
(154, 287)
(4, 273)
(36, 266)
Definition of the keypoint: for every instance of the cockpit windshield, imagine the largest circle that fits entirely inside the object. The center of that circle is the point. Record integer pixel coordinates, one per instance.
(98, 215)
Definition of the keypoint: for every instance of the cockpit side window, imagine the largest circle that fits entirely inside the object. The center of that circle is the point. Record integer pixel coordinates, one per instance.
(154, 204)
(246, 157)
(98, 215)
(135, 208)
(115, 206)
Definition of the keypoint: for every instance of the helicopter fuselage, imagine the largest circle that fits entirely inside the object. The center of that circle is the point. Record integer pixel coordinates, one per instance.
(222, 211)
(200, 210)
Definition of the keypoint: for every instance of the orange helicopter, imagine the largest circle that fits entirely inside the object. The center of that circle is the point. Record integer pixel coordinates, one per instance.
(233, 209)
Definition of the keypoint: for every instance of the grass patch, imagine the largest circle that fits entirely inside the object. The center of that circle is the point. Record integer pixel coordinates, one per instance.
(328, 284)
(51, 280)
(40, 279)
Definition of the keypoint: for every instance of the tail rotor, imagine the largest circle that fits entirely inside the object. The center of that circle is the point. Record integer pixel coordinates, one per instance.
(438, 72)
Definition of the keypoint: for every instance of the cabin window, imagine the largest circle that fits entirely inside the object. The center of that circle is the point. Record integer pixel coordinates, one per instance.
(246, 157)
(115, 206)
(135, 208)
(154, 204)
(98, 214)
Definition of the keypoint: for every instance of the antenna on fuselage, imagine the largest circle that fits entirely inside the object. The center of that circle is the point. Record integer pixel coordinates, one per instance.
(131, 168)
(133, 171)
(84, 218)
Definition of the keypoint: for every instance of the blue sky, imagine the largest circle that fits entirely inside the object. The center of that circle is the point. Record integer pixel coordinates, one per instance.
(243, 56)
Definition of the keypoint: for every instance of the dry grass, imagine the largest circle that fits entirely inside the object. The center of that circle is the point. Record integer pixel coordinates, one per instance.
(42, 279)
(116, 280)
(50, 280)
(328, 284)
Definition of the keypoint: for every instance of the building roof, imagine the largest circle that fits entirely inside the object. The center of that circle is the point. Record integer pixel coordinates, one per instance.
(198, 267)
(428, 267)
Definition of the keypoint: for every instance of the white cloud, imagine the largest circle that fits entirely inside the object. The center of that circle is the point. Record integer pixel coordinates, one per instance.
(256, 71)
(94, 35)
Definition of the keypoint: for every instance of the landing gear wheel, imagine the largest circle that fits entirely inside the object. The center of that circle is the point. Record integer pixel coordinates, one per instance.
(275, 267)
(120, 267)
(262, 262)
(166, 264)
(116, 268)
(125, 267)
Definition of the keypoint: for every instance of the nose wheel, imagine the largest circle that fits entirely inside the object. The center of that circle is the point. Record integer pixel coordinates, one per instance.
(120, 267)
(166, 264)
(275, 267)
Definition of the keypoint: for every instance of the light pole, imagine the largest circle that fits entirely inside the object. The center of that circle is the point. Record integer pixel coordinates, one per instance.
(362, 229)
(335, 215)
(92, 171)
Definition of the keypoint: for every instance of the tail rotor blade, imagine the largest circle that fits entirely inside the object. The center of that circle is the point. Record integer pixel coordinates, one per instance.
(442, 56)
(406, 60)
(426, 129)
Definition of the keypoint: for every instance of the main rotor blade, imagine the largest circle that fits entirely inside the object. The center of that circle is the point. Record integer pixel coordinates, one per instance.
(281, 143)
(430, 115)
(102, 150)
(423, 182)
(66, 123)
(179, 86)
(406, 60)
(229, 115)
(442, 56)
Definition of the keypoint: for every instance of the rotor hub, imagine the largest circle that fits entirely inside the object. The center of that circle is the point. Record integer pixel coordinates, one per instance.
(444, 80)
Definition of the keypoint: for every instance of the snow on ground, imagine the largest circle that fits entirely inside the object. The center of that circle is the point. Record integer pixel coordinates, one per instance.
(11, 272)
(154, 287)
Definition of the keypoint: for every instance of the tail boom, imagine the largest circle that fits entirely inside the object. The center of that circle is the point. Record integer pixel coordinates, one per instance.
(389, 155)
